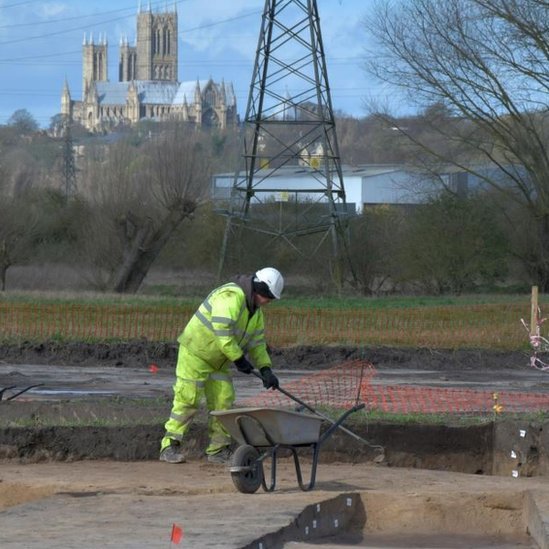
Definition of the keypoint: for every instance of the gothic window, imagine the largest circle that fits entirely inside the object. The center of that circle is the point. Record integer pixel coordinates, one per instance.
(157, 42)
(98, 66)
(210, 118)
(166, 41)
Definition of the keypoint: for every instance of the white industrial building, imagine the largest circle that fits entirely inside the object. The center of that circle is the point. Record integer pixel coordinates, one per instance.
(365, 185)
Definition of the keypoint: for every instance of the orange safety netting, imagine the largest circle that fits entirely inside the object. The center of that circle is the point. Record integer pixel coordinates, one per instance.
(473, 326)
(340, 387)
(431, 400)
(348, 383)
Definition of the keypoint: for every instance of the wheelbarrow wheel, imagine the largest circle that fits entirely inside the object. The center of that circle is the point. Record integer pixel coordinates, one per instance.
(246, 471)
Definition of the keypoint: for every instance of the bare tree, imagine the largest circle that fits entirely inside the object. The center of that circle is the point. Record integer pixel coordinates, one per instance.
(451, 244)
(486, 62)
(141, 196)
(18, 230)
(23, 121)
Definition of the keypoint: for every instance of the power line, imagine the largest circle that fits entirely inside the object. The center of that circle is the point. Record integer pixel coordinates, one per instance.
(20, 4)
(80, 28)
(110, 20)
(62, 20)
(215, 23)
(55, 59)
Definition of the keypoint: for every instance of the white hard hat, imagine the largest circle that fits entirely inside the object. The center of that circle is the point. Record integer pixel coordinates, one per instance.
(272, 278)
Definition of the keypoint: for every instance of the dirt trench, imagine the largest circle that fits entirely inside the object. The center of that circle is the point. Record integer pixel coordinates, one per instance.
(130, 428)
(101, 454)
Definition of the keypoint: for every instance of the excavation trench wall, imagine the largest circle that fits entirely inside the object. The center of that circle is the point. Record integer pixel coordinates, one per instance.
(501, 448)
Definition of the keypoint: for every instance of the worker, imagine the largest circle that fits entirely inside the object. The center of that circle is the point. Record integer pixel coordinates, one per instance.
(226, 329)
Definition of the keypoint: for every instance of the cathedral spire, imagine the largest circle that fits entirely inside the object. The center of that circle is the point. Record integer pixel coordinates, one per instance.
(232, 101)
(223, 94)
(66, 90)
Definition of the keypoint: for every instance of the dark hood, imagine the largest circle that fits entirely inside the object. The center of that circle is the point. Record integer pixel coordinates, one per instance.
(245, 282)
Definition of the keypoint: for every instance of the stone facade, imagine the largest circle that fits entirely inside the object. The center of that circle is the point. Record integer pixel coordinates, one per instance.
(148, 86)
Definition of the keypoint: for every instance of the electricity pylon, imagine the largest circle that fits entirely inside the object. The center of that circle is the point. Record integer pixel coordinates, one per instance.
(68, 166)
(289, 131)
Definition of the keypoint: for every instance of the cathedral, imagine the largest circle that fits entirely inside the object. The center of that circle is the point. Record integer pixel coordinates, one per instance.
(148, 85)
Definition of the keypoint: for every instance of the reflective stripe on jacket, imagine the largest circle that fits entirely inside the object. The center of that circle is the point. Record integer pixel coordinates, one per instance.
(222, 329)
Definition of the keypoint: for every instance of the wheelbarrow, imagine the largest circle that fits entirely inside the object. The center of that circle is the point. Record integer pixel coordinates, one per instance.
(263, 432)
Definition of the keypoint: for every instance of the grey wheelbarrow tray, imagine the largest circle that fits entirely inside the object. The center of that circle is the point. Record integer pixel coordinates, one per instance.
(262, 432)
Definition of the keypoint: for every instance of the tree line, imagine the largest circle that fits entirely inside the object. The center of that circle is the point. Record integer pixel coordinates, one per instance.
(143, 199)
(476, 72)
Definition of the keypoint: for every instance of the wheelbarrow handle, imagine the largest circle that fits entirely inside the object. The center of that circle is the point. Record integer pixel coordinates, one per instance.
(311, 409)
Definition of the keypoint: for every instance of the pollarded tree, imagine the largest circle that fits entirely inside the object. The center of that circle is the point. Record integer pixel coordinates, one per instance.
(140, 197)
(486, 62)
(19, 227)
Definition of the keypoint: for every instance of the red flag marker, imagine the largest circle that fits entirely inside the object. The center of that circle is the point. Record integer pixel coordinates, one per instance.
(153, 368)
(177, 533)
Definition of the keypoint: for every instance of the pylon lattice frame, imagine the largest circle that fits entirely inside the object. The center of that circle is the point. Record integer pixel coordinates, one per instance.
(68, 166)
(289, 122)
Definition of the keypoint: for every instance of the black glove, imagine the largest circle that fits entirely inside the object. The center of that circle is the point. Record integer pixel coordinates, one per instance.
(243, 365)
(270, 381)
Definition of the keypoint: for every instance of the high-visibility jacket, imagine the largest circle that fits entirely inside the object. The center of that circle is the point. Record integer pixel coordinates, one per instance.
(223, 329)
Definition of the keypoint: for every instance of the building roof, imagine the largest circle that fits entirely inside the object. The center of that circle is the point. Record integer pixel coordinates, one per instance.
(306, 172)
(156, 92)
(186, 91)
(112, 93)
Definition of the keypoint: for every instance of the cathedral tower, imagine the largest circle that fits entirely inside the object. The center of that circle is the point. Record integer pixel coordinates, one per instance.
(157, 46)
(128, 62)
(148, 85)
(94, 62)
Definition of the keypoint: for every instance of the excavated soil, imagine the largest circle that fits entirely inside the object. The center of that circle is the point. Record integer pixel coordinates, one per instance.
(129, 428)
(141, 353)
(72, 453)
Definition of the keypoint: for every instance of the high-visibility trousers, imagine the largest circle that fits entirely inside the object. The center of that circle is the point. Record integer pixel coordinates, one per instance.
(195, 380)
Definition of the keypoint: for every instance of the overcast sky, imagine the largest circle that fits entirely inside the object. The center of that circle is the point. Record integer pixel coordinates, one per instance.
(41, 45)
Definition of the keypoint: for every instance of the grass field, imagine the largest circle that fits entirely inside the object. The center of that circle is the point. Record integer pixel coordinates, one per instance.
(472, 321)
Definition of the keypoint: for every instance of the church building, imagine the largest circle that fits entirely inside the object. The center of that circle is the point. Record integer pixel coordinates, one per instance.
(148, 85)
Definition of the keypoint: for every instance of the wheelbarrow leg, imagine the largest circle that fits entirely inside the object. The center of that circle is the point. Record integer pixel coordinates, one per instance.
(312, 479)
(272, 453)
